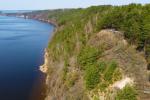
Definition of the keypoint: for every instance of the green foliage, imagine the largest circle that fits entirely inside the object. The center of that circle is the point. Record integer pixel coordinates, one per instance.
(92, 77)
(102, 66)
(108, 75)
(128, 93)
(88, 56)
(133, 20)
(71, 38)
(101, 74)
(88, 60)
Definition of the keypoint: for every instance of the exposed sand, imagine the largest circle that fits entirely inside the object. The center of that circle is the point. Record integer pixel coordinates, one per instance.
(122, 83)
(44, 67)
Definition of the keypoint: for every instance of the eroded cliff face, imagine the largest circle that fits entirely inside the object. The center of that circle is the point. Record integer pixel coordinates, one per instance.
(57, 88)
(65, 81)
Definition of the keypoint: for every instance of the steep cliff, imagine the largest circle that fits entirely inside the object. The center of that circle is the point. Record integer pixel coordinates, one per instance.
(98, 53)
(88, 59)
(68, 80)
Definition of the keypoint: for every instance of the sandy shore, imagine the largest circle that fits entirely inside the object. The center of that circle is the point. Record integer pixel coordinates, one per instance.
(44, 68)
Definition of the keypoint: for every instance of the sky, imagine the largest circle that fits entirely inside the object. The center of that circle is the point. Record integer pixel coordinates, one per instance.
(55, 4)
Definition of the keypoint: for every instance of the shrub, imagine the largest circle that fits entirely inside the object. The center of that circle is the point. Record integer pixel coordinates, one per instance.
(88, 56)
(128, 93)
(102, 66)
(108, 75)
(92, 77)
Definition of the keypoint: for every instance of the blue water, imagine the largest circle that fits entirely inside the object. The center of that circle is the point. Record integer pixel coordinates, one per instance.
(22, 43)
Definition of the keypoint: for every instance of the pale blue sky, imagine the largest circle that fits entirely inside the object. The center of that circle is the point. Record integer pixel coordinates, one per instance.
(54, 4)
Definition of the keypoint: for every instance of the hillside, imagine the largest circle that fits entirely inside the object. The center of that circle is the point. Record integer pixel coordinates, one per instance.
(99, 53)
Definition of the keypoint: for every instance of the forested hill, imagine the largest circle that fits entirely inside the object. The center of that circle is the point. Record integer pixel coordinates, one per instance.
(95, 48)
(99, 53)
(133, 20)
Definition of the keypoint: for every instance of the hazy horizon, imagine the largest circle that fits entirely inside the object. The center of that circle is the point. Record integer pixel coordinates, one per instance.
(49, 4)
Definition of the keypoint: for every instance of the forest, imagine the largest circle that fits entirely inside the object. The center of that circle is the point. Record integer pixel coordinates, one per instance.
(133, 20)
(77, 26)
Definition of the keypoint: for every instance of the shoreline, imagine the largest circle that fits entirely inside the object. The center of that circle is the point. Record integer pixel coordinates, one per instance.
(44, 68)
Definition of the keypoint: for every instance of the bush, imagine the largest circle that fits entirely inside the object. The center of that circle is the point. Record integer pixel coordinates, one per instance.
(128, 93)
(87, 59)
(108, 75)
(92, 77)
(88, 56)
(102, 66)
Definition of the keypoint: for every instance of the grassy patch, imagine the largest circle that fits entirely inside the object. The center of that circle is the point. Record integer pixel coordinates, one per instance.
(65, 70)
(108, 75)
(88, 56)
(128, 93)
(97, 73)
(92, 77)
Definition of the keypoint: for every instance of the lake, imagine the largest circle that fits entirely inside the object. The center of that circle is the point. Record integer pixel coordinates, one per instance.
(22, 44)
